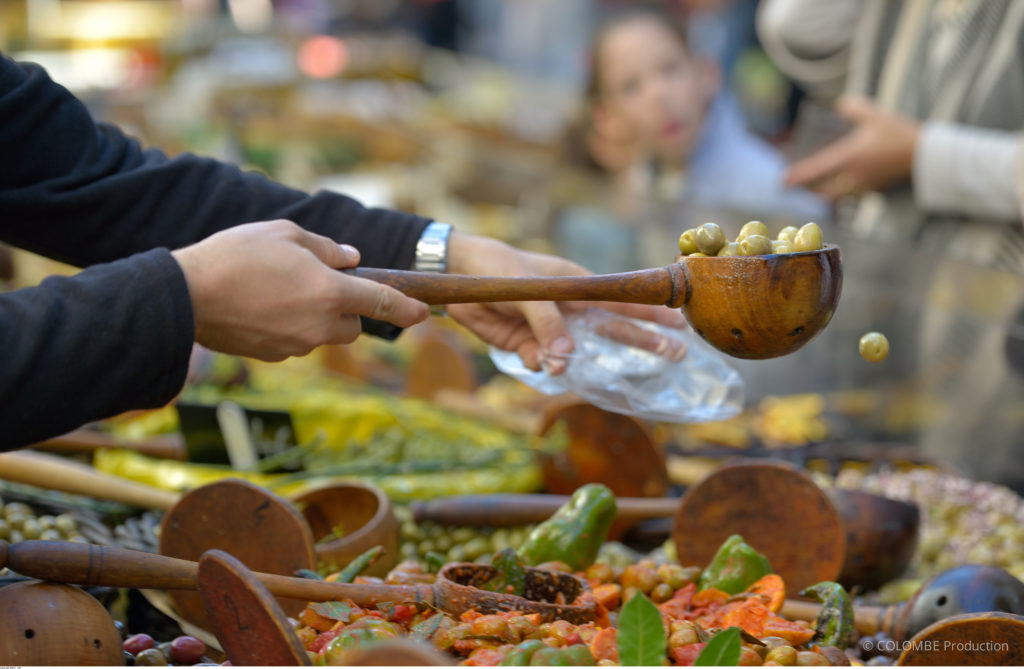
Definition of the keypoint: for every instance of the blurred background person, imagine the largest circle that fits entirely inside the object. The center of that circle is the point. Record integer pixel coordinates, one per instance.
(931, 163)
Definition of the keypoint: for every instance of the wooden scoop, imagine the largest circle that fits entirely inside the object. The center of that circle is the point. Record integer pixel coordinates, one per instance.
(990, 639)
(746, 306)
(454, 591)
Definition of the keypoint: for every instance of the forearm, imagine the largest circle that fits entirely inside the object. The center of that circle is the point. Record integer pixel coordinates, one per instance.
(84, 193)
(76, 349)
(969, 171)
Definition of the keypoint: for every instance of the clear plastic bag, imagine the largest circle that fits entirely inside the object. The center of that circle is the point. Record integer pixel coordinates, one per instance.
(638, 368)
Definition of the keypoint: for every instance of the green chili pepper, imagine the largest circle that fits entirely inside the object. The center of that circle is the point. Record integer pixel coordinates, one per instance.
(359, 565)
(735, 567)
(834, 625)
(520, 655)
(575, 532)
(551, 657)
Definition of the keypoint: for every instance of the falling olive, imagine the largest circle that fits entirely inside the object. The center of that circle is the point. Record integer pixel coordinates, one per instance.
(710, 238)
(752, 228)
(874, 347)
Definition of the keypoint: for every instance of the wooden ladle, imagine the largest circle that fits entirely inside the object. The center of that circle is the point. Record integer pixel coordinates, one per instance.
(747, 306)
(454, 591)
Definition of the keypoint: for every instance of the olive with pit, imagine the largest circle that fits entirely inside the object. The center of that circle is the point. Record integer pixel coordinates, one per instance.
(710, 238)
(755, 245)
(688, 242)
(808, 238)
(730, 249)
(752, 228)
(874, 347)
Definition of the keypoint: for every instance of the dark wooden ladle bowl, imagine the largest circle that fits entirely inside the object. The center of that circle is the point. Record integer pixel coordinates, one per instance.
(746, 306)
(454, 590)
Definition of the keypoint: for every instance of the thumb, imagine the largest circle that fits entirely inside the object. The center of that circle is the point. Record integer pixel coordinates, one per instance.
(329, 252)
(855, 109)
(552, 336)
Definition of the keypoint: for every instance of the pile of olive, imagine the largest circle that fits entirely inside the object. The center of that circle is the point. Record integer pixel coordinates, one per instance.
(455, 543)
(142, 650)
(709, 240)
(19, 521)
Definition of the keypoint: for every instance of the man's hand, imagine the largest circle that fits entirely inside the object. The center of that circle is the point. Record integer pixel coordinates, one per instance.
(272, 290)
(877, 154)
(534, 330)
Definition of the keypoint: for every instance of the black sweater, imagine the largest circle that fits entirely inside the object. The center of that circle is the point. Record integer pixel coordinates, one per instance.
(117, 336)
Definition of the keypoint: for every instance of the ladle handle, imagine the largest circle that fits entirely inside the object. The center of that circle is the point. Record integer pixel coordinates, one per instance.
(663, 285)
(86, 564)
(510, 509)
(57, 473)
(867, 620)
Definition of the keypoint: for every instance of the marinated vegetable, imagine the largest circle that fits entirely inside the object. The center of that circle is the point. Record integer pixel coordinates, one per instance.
(575, 532)
(753, 240)
(735, 567)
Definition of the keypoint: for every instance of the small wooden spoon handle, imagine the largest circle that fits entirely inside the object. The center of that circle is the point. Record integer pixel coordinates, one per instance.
(866, 619)
(510, 509)
(57, 473)
(663, 285)
(85, 564)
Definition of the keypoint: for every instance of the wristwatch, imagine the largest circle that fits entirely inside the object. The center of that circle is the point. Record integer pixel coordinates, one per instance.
(432, 248)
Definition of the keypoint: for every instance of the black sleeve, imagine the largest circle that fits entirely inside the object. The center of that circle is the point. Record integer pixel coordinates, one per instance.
(114, 337)
(85, 194)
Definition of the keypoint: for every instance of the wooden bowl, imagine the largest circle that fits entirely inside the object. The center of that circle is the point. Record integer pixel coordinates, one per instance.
(881, 535)
(762, 306)
(364, 513)
(50, 624)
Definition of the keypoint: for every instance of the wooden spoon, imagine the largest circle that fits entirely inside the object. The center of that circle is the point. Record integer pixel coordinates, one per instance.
(990, 639)
(746, 306)
(454, 591)
(247, 621)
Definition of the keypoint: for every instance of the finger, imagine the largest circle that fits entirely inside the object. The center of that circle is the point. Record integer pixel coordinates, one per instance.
(329, 252)
(627, 333)
(667, 316)
(383, 303)
(529, 353)
(552, 336)
(856, 109)
(829, 160)
(345, 330)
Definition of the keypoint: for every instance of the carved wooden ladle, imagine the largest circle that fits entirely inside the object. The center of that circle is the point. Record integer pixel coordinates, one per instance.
(747, 306)
(455, 590)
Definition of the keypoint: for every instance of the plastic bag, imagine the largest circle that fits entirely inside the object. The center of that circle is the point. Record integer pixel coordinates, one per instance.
(621, 364)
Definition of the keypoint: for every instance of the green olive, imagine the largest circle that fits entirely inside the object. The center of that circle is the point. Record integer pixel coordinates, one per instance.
(476, 548)
(782, 246)
(46, 522)
(76, 538)
(710, 238)
(688, 242)
(5, 529)
(30, 528)
(788, 233)
(730, 249)
(807, 658)
(457, 554)
(874, 347)
(755, 245)
(698, 255)
(151, 657)
(808, 238)
(51, 534)
(18, 508)
(752, 228)
(662, 593)
(784, 655)
(15, 536)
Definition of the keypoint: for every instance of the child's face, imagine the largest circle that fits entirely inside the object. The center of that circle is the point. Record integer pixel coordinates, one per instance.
(648, 80)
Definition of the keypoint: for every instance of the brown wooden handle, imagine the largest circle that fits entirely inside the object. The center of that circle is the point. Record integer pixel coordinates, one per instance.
(89, 441)
(511, 509)
(663, 285)
(867, 620)
(86, 564)
(56, 473)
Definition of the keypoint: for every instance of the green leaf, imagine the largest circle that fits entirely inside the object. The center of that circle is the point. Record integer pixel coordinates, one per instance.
(641, 637)
(333, 610)
(722, 651)
(310, 574)
(425, 630)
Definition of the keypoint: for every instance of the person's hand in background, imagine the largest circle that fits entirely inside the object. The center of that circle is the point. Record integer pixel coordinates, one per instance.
(876, 154)
(272, 290)
(534, 330)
